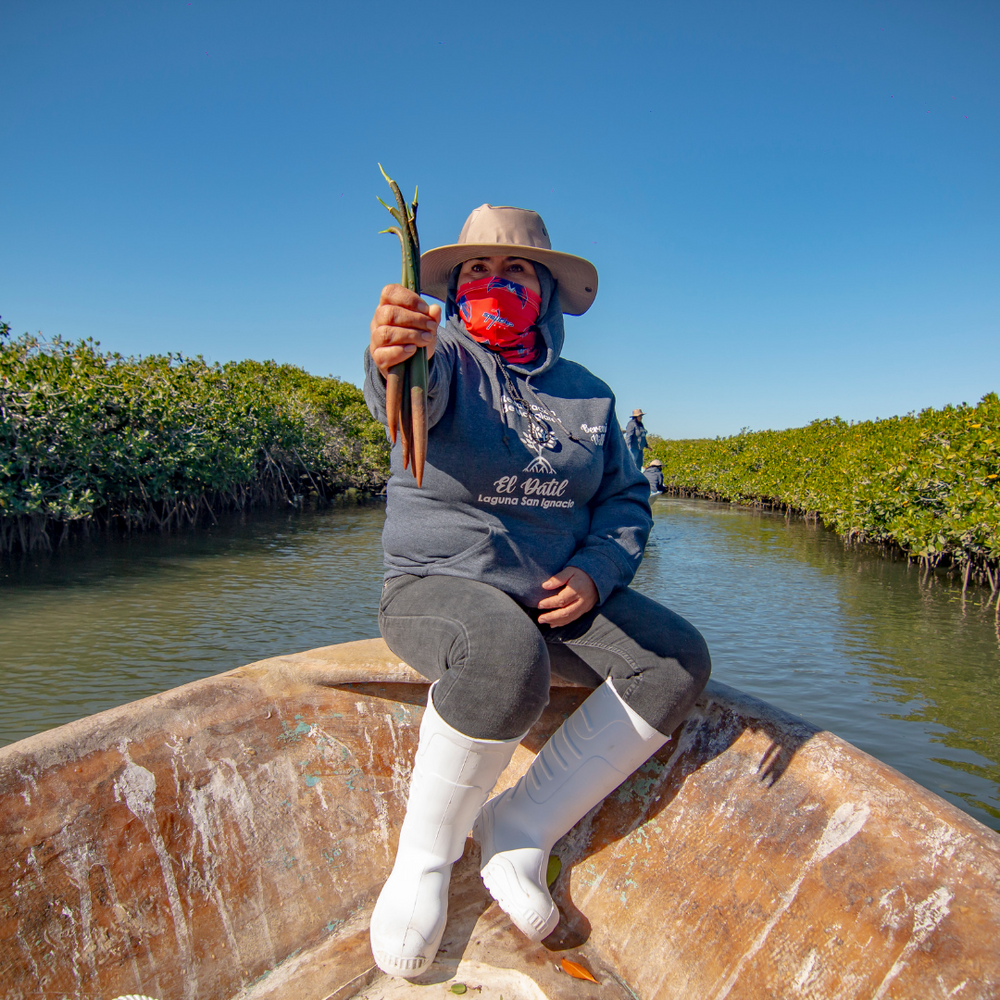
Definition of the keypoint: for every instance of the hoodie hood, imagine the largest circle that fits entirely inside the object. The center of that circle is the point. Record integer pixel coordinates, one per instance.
(550, 320)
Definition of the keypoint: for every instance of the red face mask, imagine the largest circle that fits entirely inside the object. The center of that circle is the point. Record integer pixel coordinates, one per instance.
(499, 314)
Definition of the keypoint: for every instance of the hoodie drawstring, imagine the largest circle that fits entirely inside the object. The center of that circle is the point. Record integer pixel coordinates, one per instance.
(538, 428)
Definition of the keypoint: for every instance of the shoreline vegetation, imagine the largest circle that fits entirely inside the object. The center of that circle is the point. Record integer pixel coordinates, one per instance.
(93, 441)
(926, 485)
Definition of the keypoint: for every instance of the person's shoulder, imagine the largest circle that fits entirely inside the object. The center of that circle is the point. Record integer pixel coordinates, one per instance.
(571, 372)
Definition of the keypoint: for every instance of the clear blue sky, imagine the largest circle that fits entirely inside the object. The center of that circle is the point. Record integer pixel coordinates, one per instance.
(794, 207)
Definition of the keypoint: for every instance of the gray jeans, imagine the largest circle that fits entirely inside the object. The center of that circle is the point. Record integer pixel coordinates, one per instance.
(493, 660)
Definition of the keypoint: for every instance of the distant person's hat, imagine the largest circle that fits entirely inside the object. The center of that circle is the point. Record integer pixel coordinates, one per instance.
(638, 413)
(502, 231)
(656, 461)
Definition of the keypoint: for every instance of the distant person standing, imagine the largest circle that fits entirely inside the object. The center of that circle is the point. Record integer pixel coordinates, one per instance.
(654, 473)
(635, 437)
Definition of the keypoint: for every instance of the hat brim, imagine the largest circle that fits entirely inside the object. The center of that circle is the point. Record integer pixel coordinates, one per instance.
(577, 277)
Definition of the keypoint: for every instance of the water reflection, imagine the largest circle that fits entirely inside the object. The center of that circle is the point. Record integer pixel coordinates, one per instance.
(88, 629)
(859, 644)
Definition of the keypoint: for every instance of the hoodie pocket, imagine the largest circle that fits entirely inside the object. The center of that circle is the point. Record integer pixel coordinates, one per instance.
(472, 552)
(419, 546)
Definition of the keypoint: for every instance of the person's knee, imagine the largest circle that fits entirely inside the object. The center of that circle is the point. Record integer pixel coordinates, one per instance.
(684, 669)
(697, 661)
(662, 638)
(670, 688)
(665, 663)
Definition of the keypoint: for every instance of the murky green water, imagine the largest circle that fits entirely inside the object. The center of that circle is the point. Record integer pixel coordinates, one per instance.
(861, 645)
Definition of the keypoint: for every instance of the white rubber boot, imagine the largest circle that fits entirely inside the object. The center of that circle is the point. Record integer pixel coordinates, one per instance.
(452, 776)
(588, 757)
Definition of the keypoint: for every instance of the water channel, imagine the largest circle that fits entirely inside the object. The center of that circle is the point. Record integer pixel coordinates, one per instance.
(894, 662)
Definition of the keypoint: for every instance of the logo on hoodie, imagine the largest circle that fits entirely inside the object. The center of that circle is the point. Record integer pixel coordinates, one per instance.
(539, 435)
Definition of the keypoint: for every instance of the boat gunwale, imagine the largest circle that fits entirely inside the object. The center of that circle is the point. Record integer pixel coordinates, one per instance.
(370, 662)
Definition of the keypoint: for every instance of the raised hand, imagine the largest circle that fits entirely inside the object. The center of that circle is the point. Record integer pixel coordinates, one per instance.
(402, 322)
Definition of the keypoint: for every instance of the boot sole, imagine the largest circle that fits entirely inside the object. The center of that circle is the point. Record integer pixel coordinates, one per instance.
(404, 968)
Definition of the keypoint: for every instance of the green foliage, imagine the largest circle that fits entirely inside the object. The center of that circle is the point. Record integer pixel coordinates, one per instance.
(926, 482)
(88, 436)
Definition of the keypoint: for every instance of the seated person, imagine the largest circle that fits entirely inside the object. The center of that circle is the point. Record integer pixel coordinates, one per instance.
(654, 473)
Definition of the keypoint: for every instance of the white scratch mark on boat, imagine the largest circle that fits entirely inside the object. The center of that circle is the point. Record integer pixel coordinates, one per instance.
(266, 929)
(399, 782)
(176, 749)
(927, 916)
(206, 804)
(366, 736)
(121, 914)
(382, 812)
(842, 827)
(592, 881)
(68, 914)
(137, 787)
(30, 785)
(222, 907)
(28, 952)
(77, 860)
(808, 973)
(32, 863)
(943, 843)
(212, 808)
(954, 991)
(393, 735)
(893, 918)
(318, 789)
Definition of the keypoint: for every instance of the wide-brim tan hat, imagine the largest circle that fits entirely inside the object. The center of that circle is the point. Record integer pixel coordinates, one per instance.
(502, 231)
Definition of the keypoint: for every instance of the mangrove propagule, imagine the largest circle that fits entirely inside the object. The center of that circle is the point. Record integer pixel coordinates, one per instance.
(406, 383)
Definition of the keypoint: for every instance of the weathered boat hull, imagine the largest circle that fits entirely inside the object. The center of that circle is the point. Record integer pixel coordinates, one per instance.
(228, 838)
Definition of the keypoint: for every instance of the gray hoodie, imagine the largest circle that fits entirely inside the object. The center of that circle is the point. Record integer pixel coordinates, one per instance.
(527, 471)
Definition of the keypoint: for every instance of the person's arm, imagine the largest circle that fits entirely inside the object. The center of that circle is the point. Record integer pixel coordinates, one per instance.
(629, 433)
(620, 520)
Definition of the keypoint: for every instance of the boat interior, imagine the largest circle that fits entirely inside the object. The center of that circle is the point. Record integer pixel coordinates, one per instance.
(228, 839)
